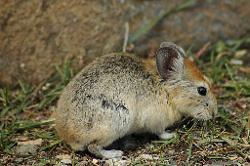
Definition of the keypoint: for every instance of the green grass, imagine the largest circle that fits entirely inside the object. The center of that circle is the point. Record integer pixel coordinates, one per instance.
(25, 111)
(18, 105)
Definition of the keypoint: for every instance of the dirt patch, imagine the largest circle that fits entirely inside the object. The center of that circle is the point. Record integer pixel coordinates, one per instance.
(35, 36)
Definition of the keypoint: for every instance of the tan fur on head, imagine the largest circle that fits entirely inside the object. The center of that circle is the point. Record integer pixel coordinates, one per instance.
(192, 72)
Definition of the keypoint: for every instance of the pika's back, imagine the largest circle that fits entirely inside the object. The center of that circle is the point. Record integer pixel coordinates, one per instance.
(112, 73)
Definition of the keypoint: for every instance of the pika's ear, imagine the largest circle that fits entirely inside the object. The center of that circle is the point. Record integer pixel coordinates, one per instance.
(169, 61)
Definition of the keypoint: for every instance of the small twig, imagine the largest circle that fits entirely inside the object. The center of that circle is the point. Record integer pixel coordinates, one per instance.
(246, 146)
(51, 145)
(125, 42)
(190, 149)
(189, 130)
(248, 124)
(202, 50)
(197, 146)
(230, 72)
(245, 156)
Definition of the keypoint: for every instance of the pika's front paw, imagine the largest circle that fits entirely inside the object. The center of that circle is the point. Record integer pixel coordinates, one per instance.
(167, 135)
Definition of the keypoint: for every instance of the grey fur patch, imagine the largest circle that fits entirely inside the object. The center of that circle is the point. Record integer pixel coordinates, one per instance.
(106, 105)
(114, 106)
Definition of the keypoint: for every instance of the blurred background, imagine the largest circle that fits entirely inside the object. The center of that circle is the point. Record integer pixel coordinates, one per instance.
(44, 43)
(36, 35)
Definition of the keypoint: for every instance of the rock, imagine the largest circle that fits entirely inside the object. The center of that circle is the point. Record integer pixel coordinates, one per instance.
(95, 161)
(146, 156)
(236, 62)
(66, 161)
(38, 35)
(37, 142)
(26, 149)
(171, 152)
(19, 160)
(83, 163)
(116, 162)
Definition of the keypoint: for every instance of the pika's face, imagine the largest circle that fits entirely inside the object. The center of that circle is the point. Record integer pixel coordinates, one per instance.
(195, 97)
(196, 100)
(190, 91)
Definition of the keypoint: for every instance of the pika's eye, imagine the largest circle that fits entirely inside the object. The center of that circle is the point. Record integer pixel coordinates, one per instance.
(202, 91)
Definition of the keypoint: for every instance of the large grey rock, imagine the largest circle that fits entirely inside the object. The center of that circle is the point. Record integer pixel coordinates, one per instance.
(37, 35)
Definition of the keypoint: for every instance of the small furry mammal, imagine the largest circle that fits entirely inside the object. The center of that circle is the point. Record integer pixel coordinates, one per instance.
(119, 94)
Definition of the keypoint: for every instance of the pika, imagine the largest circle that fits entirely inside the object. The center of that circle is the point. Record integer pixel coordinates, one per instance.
(120, 94)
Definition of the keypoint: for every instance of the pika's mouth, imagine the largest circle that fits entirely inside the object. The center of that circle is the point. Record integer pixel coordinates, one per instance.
(203, 116)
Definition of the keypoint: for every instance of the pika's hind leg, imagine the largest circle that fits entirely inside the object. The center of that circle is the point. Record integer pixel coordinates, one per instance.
(100, 152)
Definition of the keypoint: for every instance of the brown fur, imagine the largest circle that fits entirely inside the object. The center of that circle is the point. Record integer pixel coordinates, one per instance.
(192, 71)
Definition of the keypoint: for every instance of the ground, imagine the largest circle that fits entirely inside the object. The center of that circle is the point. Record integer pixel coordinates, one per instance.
(27, 136)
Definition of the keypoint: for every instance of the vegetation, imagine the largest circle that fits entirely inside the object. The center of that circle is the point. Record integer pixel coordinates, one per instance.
(25, 115)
